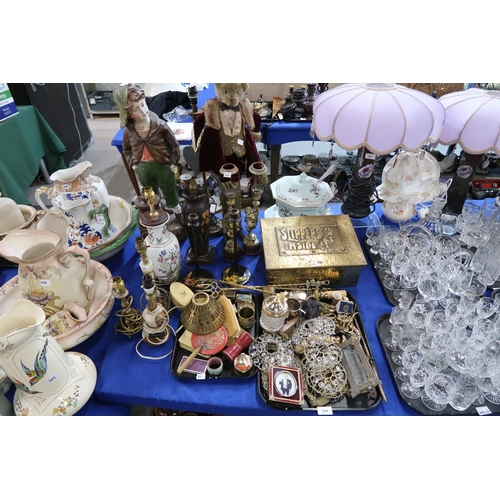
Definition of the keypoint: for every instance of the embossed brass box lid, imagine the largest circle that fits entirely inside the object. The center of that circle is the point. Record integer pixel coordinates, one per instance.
(297, 249)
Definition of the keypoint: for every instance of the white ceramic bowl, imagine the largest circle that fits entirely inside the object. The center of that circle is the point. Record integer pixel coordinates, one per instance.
(97, 313)
(28, 213)
(122, 216)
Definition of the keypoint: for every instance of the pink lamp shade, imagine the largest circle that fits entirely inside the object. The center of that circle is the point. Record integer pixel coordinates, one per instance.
(472, 120)
(379, 116)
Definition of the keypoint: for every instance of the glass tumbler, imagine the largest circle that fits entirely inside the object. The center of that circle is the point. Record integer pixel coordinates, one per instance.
(466, 392)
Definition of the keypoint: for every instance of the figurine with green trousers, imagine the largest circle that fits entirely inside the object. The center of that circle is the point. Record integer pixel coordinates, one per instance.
(149, 145)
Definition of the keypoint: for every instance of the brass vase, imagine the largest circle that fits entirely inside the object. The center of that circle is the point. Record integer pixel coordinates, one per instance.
(230, 179)
(258, 170)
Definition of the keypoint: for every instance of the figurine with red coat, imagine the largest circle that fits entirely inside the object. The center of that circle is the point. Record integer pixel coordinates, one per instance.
(227, 130)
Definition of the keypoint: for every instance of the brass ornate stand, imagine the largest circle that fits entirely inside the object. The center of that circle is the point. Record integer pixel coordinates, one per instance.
(251, 244)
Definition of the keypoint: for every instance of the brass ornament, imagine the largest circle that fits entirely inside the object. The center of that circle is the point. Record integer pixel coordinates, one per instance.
(203, 315)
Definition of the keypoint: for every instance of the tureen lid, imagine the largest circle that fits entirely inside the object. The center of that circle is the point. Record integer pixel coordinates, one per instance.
(301, 191)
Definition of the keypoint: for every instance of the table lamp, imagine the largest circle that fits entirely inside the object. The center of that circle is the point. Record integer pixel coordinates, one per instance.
(472, 121)
(407, 179)
(374, 118)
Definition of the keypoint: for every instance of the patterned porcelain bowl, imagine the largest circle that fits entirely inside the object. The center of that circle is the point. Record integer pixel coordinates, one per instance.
(301, 195)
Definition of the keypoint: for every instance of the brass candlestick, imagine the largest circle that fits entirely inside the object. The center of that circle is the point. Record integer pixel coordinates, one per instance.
(130, 319)
(232, 252)
(251, 244)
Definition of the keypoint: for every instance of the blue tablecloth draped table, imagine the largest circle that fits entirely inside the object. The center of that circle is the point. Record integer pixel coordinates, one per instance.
(125, 379)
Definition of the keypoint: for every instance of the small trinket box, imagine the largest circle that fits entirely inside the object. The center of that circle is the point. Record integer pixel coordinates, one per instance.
(345, 307)
(243, 364)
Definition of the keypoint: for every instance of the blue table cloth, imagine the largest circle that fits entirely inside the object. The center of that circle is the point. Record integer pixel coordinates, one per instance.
(125, 377)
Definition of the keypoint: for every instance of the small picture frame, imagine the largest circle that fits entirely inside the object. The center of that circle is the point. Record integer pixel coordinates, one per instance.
(285, 385)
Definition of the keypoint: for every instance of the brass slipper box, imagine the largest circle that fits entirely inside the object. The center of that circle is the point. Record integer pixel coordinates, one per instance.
(319, 247)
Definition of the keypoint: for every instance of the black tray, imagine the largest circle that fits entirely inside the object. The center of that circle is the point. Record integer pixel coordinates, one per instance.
(388, 293)
(227, 370)
(416, 404)
(361, 402)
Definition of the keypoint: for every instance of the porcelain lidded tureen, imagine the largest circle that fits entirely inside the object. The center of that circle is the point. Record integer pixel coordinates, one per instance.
(301, 195)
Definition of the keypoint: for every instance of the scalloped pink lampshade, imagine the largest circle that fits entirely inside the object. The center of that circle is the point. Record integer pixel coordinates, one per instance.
(472, 120)
(379, 116)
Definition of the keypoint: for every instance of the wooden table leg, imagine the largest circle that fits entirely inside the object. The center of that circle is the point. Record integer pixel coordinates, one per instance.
(275, 161)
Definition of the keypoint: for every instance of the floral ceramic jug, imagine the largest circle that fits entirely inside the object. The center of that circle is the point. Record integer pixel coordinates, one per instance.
(164, 251)
(49, 381)
(83, 200)
(49, 275)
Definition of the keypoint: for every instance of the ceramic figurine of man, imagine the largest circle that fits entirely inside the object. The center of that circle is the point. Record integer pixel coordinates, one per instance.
(149, 145)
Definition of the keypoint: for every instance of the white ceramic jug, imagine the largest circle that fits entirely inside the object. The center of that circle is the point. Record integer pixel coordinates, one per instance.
(83, 200)
(49, 275)
(49, 381)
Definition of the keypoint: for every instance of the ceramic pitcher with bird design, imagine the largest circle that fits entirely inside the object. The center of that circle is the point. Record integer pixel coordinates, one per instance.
(48, 380)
